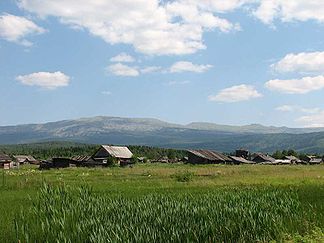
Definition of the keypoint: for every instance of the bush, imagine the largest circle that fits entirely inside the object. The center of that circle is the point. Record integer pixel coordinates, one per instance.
(184, 176)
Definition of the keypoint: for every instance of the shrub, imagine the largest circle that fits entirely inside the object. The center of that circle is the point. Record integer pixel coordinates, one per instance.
(184, 176)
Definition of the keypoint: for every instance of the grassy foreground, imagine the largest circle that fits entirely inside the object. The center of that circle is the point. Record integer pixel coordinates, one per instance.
(162, 202)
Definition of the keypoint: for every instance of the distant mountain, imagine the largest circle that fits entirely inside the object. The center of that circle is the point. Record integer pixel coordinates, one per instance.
(154, 132)
(253, 128)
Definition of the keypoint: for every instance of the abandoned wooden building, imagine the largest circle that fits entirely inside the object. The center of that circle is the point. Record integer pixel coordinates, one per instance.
(107, 154)
(26, 159)
(5, 161)
(263, 158)
(207, 157)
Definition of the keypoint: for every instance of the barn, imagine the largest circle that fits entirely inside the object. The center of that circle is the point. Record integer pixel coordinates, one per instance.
(108, 154)
(207, 157)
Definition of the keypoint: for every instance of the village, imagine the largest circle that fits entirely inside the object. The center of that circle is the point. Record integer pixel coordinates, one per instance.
(109, 155)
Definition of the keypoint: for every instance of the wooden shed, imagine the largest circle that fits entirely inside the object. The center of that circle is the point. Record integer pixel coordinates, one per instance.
(106, 153)
(207, 157)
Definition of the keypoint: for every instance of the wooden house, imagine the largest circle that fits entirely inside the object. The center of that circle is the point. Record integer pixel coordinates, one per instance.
(263, 158)
(5, 161)
(107, 154)
(26, 159)
(207, 157)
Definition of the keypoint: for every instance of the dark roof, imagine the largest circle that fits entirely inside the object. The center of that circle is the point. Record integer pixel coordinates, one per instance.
(210, 155)
(81, 158)
(265, 157)
(4, 157)
(241, 160)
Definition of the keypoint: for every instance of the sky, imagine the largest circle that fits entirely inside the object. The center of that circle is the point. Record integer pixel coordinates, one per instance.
(231, 62)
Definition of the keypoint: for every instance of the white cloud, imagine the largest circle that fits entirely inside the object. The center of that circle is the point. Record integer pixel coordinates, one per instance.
(120, 69)
(122, 57)
(235, 94)
(296, 86)
(296, 108)
(15, 29)
(313, 120)
(152, 26)
(182, 66)
(45, 80)
(311, 62)
(176, 27)
(290, 10)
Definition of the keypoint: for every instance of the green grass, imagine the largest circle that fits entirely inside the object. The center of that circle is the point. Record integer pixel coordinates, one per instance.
(78, 215)
(287, 201)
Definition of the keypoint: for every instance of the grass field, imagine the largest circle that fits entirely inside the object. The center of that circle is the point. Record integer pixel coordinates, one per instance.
(164, 202)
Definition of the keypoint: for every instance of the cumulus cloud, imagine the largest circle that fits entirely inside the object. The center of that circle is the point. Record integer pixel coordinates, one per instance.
(183, 66)
(167, 27)
(16, 29)
(122, 57)
(236, 94)
(288, 11)
(296, 86)
(120, 69)
(153, 27)
(305, 62)
(45, 80)
(296, 108)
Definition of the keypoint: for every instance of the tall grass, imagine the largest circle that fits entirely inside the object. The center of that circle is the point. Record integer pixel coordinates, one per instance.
(64, 214)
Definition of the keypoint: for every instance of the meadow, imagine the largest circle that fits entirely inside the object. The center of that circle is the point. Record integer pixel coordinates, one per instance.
(164, 203)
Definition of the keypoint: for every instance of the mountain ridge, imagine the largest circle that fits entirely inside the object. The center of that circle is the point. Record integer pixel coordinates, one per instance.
(155, 132)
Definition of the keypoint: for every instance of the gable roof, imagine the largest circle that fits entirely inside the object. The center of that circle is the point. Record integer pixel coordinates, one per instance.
(4, 158)
(23, 158)
(118, 151)
(210, 155)
(265, 157)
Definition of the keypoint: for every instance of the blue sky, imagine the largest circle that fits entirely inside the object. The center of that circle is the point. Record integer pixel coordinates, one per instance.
(229, 62)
